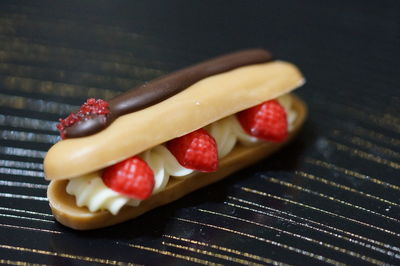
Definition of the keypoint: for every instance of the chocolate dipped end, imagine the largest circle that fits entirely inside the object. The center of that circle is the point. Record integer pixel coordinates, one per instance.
(164, 87)
(91, 125)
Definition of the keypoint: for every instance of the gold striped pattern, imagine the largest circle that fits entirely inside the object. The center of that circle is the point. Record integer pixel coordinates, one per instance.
(375, 135)
(30, 229)
(365, 155)
(117, 71)
(25, 211)
(9, 24)
(22, 152)
(29, 49)
(322, 195)
(22, 184)
(383, 120)
(228, 250)
(12, 171)
(19, 263)
(351, 173)
(343, 187)
(211, 254)
(319, 210)
(350, 238)
(367, 144)
(65, 255)
(27, 123)
(20, 164)
(174, 255)
(26, 218)
(53, 87)
(271, 242)
(84, 77)
(107, 67)
(28, 136)
(25, 103)
(125, 61)
(305, 238)
(25, 197)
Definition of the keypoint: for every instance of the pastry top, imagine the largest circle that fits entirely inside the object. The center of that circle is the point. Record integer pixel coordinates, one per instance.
(157, 90)
(202, 103)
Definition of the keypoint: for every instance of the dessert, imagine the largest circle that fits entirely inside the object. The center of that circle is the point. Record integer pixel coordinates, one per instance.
(157, 143)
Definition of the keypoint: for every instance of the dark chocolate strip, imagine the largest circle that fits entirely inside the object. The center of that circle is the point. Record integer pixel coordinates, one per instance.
(164, 87)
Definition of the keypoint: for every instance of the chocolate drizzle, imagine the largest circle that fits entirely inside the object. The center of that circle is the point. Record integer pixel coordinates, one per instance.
(164, 87)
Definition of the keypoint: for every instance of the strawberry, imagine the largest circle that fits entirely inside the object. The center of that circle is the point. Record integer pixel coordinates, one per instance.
(196, 150)
(131, 177)
(266, 121)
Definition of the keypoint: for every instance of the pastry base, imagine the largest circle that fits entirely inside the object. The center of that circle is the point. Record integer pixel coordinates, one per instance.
(66, 212)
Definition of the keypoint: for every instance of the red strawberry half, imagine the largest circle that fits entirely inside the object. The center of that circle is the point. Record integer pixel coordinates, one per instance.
(132, 177)
(196, 150)
(266, 121)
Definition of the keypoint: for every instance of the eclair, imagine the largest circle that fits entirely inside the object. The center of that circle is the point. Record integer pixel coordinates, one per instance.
(156, 143)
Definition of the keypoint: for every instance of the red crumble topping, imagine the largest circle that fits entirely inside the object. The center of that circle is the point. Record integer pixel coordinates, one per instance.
(90, 107)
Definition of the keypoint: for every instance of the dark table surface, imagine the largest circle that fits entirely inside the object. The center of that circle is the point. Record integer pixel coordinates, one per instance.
(332, 196)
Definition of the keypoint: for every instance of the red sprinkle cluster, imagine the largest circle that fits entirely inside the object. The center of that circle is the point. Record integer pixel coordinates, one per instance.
(91, 106)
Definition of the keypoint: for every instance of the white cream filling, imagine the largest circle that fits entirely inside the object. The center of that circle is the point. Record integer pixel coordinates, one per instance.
(90, 191)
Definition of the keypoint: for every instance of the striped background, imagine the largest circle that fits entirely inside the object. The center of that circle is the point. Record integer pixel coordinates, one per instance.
(331, 197)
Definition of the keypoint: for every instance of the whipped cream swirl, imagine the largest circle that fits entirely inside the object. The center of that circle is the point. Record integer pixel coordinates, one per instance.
(91, 192)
